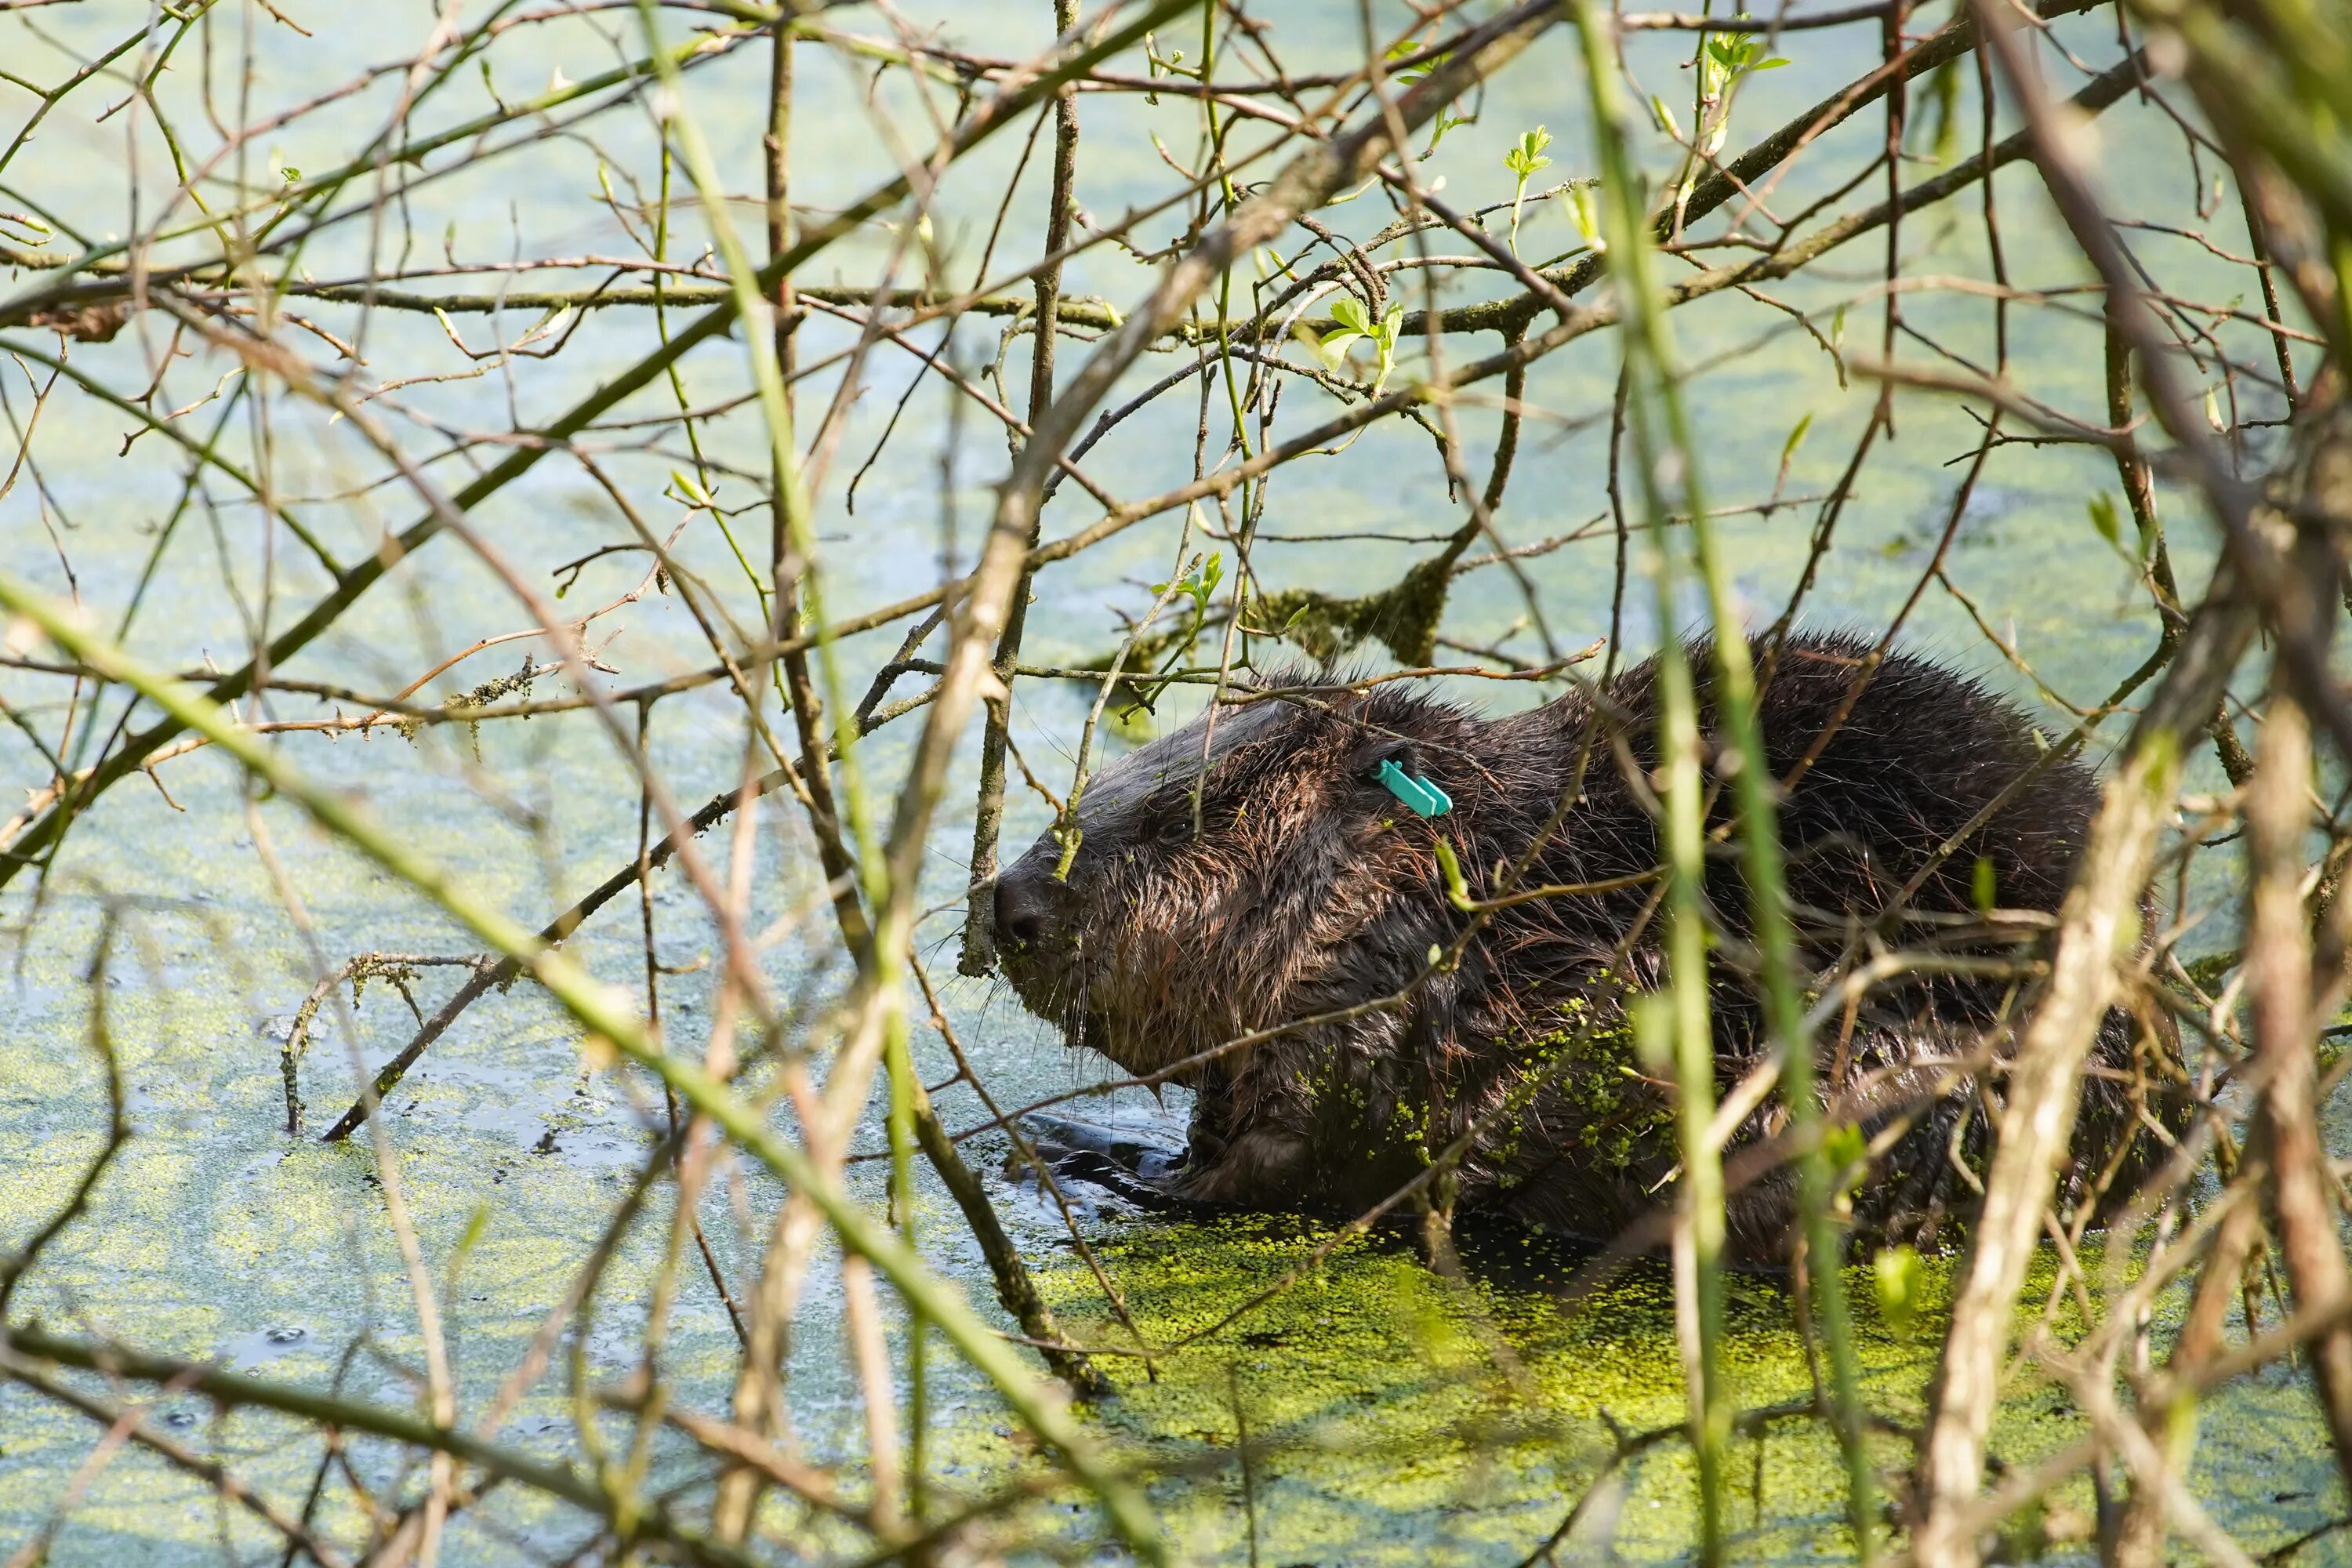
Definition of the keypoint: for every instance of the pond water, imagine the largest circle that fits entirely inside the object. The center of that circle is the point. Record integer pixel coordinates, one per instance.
(1392, 1415)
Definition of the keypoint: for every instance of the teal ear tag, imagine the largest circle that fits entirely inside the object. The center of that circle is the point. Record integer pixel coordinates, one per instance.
(1424, 797)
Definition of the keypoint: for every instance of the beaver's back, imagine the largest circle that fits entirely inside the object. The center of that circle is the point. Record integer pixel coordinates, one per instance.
(1915, 753)
(1891, 775)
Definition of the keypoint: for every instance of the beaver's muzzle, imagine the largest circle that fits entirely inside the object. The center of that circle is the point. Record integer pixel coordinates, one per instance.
(1023, 913)
(1037, 922)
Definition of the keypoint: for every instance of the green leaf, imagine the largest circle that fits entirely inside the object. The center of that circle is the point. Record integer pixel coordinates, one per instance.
(1457, 892)
(1981, 891)
(1665, 117)
(1413, 74)
(1902, 1281)
(1384, 337)
(1445, 122)
(1796, 439)
(2103, 518)
(1653, 1031)
(1527, 157)
(1581, 206)
(475, 1229)
(1349, 311)
(1846, 1148)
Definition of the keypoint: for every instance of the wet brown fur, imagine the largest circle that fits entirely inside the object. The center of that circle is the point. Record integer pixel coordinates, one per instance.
(1308, 890)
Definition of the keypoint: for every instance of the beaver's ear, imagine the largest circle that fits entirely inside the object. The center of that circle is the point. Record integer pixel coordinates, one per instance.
(1363, 761)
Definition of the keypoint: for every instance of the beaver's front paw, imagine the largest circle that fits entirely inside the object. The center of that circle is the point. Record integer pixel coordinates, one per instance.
(1264, 1168)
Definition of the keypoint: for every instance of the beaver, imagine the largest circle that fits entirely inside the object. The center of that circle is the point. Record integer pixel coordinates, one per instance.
(1299, 886)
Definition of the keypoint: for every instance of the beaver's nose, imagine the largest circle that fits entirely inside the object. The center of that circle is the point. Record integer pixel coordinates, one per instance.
(1023, 913)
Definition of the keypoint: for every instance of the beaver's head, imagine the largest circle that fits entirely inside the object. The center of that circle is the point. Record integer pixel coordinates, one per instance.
(1302, 884)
